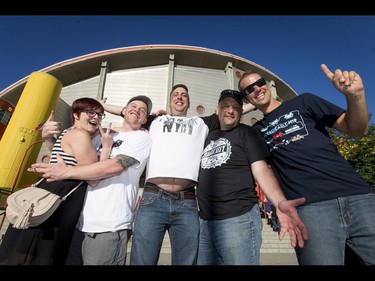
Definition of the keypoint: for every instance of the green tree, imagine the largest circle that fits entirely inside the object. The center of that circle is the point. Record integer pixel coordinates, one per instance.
(360, 152)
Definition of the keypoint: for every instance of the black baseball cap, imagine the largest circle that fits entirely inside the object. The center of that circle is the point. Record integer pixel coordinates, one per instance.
(145, 99)
(238, 96)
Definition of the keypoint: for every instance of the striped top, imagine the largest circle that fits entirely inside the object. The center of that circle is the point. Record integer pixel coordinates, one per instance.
(69, 159)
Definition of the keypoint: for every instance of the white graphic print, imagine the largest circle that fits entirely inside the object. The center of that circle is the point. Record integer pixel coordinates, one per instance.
(284, 130)
(216, 153)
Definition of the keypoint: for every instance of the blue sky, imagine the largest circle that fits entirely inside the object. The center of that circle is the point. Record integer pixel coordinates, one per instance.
(292, 47)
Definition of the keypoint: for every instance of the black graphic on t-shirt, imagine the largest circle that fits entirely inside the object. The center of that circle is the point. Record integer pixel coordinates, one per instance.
(115, 144)
(178, 125)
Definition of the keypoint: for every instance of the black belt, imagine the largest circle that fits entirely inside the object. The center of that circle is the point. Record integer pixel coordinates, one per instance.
(181, 195)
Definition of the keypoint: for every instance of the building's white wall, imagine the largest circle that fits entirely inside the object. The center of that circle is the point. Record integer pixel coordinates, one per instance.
(123, 85)
(205, 86)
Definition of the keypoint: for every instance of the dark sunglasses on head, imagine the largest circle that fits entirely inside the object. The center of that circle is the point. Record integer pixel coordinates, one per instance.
(233, 94)
(92, 113)
(249, 89)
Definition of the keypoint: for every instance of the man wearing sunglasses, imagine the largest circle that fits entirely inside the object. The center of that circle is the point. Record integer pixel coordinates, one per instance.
(340, 204)
(168, 201)
(234, 157)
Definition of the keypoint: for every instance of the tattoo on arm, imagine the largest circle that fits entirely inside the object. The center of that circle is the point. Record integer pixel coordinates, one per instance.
(126, 161)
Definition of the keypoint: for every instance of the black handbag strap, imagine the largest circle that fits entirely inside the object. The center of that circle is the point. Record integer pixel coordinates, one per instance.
(70, 192)
(64, 197)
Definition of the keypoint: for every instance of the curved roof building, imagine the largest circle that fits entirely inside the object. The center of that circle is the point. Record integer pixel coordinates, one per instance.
(118, 74)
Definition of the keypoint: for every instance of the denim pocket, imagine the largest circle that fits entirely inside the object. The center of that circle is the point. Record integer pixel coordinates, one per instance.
(190, 204)
(148, 198)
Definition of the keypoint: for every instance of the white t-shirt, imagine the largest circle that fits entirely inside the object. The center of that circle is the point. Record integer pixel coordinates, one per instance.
(177, 145)
(110, 206)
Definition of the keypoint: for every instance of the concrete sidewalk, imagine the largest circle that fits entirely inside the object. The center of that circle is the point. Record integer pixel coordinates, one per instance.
(265, 259)
(273, 251)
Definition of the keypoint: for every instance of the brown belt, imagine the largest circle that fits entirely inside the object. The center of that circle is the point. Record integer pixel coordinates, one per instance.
(187, 194)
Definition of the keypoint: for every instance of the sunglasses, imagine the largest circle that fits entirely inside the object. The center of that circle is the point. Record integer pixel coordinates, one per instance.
(249, 89)
(92, 113)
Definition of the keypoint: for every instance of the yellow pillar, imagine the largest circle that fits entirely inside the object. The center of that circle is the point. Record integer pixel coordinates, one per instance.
(20, 143)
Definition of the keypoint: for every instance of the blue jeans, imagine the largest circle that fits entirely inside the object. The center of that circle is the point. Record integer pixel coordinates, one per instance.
(332, 224)
(155, 215)
(233, 241)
